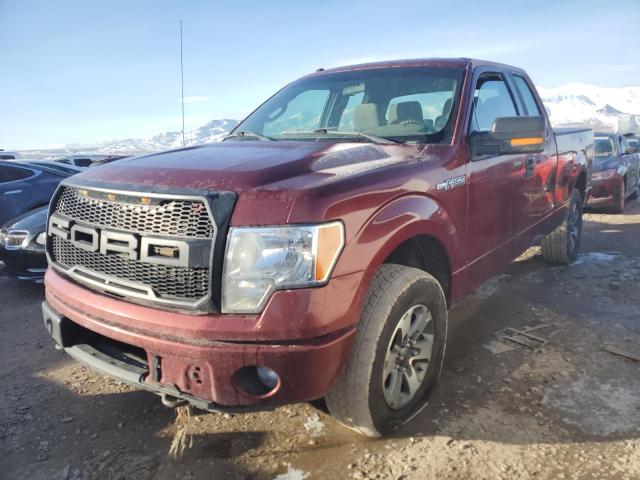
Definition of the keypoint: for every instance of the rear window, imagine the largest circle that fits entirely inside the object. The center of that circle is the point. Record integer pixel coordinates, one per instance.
(83, 162)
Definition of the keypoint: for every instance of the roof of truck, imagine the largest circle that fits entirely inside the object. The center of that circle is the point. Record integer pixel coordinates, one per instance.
(418, 62)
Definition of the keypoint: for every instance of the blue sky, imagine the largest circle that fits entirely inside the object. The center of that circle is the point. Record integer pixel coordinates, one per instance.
(86, 71)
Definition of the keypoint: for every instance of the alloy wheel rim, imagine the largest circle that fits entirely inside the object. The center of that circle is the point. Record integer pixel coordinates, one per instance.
(408, 356)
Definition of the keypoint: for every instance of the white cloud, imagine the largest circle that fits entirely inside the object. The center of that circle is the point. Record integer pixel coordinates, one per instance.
(196, 99)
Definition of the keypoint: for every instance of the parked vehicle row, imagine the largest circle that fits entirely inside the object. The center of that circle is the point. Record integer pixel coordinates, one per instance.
(315, 252)
(25, 191)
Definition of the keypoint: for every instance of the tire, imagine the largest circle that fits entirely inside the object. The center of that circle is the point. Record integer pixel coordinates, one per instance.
(622, 196)
(561, 246)
(359, 400)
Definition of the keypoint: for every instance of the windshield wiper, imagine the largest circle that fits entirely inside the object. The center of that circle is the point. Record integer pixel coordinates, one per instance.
(356, 133)
(249, 134)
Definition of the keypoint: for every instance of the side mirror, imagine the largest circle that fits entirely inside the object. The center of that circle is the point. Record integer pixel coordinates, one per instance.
(630, 150)
(509, 136)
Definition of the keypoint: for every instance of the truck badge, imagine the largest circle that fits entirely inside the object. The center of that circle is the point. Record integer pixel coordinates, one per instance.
(452, 183)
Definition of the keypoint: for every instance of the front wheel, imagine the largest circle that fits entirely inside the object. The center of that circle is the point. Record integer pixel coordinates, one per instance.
(397, 354)
(561, 246)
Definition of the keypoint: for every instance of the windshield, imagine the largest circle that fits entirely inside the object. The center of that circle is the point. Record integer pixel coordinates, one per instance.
(605, 147)
(401, 104)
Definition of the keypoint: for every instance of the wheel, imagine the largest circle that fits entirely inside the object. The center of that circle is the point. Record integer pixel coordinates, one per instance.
(620, 199)
(561, 246)
(397, 354)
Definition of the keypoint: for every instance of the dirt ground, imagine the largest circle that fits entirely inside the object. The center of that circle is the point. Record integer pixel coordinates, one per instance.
(501, 411)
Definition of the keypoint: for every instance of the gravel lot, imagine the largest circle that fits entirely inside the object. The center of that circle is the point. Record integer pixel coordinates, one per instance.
(568, 410)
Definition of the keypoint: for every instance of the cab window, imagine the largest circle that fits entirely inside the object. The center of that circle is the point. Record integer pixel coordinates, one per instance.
(492, 99)
(527, 95)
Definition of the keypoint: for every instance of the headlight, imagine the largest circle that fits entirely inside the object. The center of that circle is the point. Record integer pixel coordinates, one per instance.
(261, 260)
(14, 239)
(41, 239)
(603, 175)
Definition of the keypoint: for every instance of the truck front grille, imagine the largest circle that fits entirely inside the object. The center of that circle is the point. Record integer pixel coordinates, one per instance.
(183, 219)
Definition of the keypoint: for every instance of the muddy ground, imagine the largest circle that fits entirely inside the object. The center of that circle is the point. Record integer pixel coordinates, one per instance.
(569, 410)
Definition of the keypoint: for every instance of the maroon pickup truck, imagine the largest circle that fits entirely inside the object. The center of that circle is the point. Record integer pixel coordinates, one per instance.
(314, 253)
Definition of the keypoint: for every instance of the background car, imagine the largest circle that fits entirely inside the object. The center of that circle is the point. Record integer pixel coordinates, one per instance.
(27, 185)
(616, 172)
(83, 161)
(22, 242)
(4, 155)
(106, 160)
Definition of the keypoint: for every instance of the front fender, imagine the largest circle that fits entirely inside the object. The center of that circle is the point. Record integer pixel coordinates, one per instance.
(395, 222)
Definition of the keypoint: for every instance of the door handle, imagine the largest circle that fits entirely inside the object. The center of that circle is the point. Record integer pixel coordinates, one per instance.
(529, 167)
(12, 192)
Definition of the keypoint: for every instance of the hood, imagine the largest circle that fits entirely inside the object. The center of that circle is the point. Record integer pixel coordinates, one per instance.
(606, 163)
(33, 221)
(242, 166)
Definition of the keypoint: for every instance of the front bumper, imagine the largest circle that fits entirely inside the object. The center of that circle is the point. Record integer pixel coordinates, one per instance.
(23, 264)
(201, 371)
(605, 192)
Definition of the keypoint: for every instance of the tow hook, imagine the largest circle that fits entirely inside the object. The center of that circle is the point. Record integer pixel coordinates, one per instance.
(171, 401)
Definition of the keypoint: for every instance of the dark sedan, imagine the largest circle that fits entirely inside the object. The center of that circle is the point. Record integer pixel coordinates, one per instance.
(27, 185)
(616, 172)
(22, 243)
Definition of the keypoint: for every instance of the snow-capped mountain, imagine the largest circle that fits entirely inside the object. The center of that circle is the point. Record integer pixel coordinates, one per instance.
(211, 132)
(603, 108)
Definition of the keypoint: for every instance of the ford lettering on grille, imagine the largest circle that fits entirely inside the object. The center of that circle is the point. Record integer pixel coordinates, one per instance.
(143, 247)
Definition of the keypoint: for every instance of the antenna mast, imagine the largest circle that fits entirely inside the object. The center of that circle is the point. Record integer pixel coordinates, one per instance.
(182, 83)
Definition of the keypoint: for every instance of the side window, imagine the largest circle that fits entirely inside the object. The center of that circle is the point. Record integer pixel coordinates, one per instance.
(13, 174)
(346, 119)
(528, 96)
(492, 100)
(303, 113)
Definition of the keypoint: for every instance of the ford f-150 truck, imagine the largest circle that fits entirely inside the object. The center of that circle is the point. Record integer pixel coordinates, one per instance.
(314, 253)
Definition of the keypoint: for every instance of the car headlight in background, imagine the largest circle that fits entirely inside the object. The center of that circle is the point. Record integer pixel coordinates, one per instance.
(14, 238)
(260, 260)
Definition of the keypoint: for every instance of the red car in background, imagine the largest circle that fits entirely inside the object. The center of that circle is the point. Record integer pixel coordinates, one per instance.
(616, 172)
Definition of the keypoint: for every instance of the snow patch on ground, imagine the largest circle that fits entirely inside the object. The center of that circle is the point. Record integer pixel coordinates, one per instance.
(595, 257)
(292, 474)
(314, 425)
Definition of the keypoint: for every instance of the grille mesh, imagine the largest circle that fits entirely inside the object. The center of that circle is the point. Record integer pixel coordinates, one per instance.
(166, 281)
(172, 218)
(181, 218)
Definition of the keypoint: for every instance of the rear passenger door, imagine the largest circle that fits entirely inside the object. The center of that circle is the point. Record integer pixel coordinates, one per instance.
(492, 181)
(534, 197)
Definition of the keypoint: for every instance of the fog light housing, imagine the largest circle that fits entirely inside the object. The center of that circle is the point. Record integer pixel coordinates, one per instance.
(256, 381)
